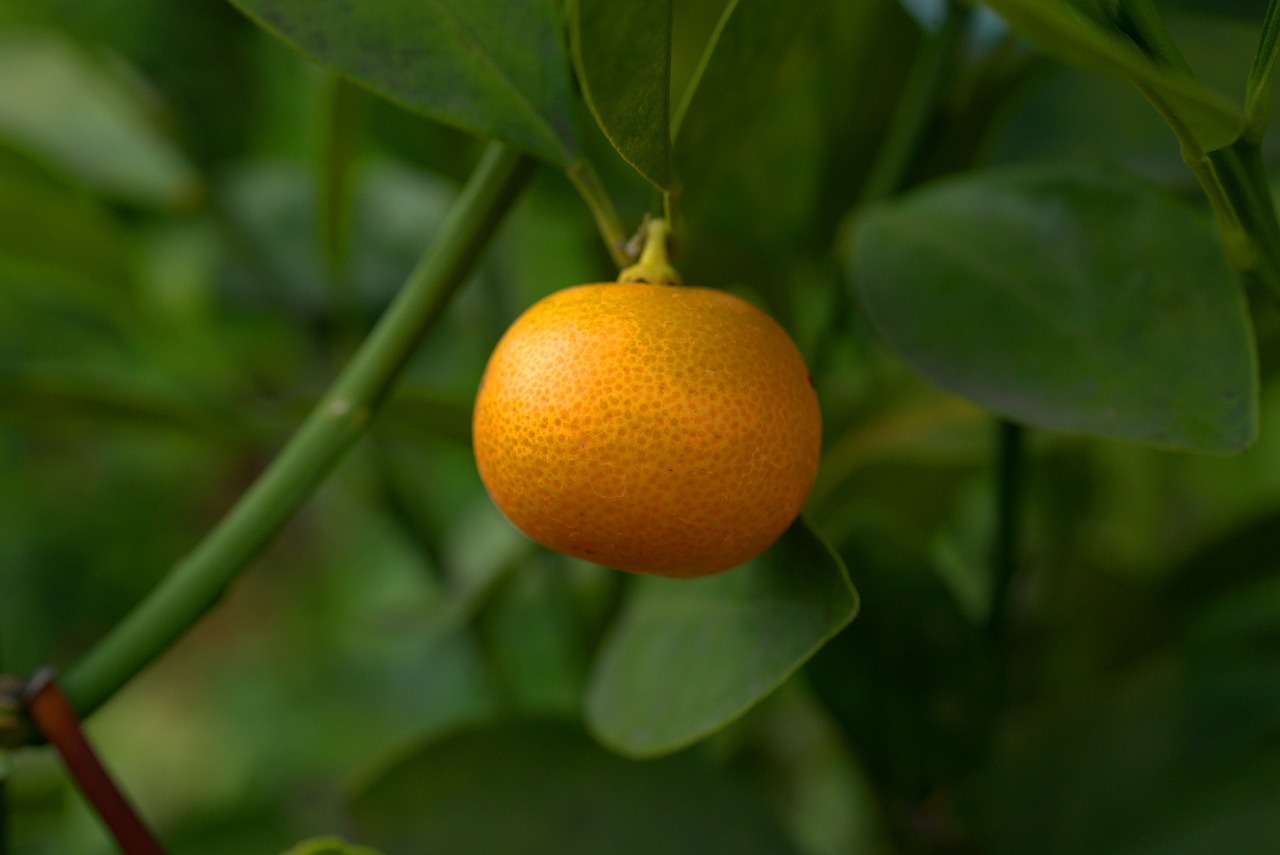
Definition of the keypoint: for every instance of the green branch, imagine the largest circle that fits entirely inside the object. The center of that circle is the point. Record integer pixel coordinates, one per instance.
(1257, 98)
(196, 583)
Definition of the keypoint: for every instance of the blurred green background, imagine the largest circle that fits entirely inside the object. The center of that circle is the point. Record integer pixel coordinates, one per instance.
(400, 660)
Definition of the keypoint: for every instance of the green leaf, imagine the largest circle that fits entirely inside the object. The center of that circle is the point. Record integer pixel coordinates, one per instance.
(329, 846)
(494, 67)
(687, 657)
(622, 51)
(544, 788)
(76, 113)
(1067, 298)
(1088, 39)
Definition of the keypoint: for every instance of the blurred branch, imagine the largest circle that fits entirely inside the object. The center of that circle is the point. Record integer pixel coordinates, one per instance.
(53, 716)
(341, 416)
(1010, 471)
(340, 139)
(930, 74)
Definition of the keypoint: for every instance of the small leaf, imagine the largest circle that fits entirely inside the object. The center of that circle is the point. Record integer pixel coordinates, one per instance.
(688, 656)
(494, 67)
(1068, 31)
(329, 846)
(75, 113)
(622, 51)
(1067, 298)
(544, 788)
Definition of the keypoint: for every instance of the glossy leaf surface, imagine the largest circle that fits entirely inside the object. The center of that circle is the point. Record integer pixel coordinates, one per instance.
(1067, 298)
(688, 656)
(497, 68)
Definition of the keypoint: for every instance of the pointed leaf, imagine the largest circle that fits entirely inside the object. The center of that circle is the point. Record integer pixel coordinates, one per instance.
(688, 656)
(544, 788)
(1068, 298)
(494, 67)
(1084, 38)
(622, 51)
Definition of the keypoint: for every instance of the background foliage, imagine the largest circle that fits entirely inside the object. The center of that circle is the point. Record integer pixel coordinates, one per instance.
(200, 219)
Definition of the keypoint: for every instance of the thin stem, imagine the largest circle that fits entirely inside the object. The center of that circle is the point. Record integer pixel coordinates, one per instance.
(1010, 472)
(52, 714)
(584, 178)
(1257, 99)
(198, 581)
(918, 104)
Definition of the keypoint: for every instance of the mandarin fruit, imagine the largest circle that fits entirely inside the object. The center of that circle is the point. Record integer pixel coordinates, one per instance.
(651, 428)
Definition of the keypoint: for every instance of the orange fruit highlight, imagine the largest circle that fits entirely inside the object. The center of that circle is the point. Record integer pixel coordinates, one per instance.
(650, 428)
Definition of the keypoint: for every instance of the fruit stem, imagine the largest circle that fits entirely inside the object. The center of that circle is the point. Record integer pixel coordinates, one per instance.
(196, 583)
(653, 266)
(49, 710)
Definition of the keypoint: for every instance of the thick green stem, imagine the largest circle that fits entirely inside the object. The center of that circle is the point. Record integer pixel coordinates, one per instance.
(918, 105)
(1241, 176)
(197, 582)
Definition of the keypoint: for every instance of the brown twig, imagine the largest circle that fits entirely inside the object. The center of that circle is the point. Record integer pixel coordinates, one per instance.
(53, 715)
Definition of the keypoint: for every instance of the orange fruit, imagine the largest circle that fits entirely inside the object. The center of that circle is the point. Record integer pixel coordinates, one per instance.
(650, 428)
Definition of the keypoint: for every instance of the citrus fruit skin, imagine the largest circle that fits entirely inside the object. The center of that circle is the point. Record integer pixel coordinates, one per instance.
(650, 428)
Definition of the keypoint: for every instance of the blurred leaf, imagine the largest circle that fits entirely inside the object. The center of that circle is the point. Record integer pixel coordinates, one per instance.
(75, 394)
(437, 412)
(543, 788)
(1088, 38)
(1166, 761)
(686, 657)
(533, 639)
(47, 225)
(75, 112)
(1071, 299)
(494, 67)
(329, 846)
(622, 51)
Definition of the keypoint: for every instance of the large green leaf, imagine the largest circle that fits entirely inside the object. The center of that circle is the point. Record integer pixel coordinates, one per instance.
(80, 115)
(1068, 298)
(622, 50)
(544, 788)
(770, 154)
(688, 656)
(494, 67)
(1085, 37)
